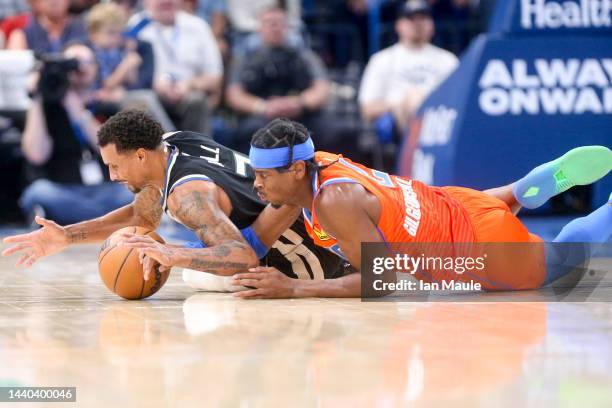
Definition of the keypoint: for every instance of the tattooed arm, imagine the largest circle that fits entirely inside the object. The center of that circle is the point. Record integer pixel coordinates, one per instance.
(196, 205)
(144, 211)
(52, 238)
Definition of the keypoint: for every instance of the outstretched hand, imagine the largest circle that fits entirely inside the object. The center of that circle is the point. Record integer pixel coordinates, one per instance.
(50, 239)
(268, 283)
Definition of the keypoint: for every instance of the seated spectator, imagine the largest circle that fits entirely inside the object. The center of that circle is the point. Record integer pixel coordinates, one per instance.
(244, 17)
(188, 67)
(398, 78)
(276, 80)
(125, 74)
(50, 29)
(59, 143)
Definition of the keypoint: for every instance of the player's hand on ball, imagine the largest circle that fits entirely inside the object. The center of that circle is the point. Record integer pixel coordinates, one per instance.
(150, 265)
(269, 283)
(149, 250)
(48, 240)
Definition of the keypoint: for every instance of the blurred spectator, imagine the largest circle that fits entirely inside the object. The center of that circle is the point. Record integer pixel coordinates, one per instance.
(398, 78)
(125, 74)
(78, 7)
(188, 67)
(10, 8)
(244, 17)
(50, 29)
(60, 145)
(18, 21)
(276, 80)
(215, 14)
(128, 6)
(10, 24)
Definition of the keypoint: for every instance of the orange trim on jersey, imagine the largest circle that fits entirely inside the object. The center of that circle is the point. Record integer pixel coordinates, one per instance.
(410, 210)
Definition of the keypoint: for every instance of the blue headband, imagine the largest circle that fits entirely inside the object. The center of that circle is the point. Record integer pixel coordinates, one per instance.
(279, 157)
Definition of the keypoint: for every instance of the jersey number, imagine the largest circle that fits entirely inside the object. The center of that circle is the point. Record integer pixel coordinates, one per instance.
(380, 177)
(240, 160)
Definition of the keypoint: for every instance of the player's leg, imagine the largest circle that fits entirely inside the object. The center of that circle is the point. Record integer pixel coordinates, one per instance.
(578, 241)
(580, 166)
(506, 194)
(514, 256)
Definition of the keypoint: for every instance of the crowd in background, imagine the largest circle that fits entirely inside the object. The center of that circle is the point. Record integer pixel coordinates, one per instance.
(353, 71)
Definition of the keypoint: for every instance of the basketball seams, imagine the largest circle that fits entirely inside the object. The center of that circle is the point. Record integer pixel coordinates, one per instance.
(106, 252)
(120, 268)
(128, 262)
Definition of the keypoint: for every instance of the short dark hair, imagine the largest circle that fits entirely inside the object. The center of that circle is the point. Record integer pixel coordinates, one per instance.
(283, 132)
(131, 129)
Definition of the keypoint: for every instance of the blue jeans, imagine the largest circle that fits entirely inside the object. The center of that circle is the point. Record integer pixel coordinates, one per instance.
(69, 203)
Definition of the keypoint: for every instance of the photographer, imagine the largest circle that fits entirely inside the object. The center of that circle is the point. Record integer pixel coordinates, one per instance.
(59, 144)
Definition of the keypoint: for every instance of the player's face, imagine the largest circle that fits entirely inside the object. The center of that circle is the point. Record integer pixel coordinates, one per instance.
(126, 167)
(274, 187)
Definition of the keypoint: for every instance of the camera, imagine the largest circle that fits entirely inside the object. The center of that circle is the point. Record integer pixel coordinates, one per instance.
(54, 83)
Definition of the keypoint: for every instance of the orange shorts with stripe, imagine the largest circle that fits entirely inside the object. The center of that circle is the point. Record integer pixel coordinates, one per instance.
(519, 264)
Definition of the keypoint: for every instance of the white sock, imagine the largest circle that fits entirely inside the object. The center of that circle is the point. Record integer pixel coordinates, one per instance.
(208, 282)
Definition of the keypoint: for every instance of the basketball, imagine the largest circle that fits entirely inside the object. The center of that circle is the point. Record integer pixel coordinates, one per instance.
(121, 271)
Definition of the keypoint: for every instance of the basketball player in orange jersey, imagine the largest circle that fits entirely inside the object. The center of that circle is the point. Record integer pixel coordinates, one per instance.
(345, 204)
(208, 188)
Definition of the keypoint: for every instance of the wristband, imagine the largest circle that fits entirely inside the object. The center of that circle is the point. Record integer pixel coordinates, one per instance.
(249, 235)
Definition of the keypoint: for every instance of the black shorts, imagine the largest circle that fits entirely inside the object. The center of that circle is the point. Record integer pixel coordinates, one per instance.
(296, 255)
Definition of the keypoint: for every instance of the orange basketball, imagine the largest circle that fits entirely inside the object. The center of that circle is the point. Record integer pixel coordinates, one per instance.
(121, 271)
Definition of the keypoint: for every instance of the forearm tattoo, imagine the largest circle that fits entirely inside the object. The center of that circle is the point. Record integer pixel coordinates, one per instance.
(77, 236)
(200, 213)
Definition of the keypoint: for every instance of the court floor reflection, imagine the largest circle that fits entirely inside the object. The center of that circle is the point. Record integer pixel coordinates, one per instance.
(59, 326)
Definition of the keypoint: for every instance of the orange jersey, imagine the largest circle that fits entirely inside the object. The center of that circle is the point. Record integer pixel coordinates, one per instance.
(410, 210)
(414, 212)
